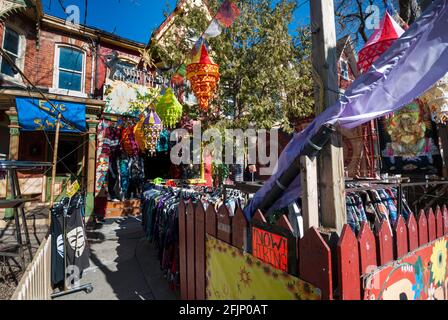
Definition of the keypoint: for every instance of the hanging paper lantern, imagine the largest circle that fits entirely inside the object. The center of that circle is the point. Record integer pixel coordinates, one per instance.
(203, 75)
(381, 40)
(437, 100)
(152, 127)
(169, 109)
(139, 134)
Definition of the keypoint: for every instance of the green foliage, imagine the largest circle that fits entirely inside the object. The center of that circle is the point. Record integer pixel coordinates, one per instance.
(220, 172)
(266, 77)
(149, 98)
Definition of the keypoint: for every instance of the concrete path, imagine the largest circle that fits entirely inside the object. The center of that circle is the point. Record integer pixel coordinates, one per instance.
(123, 265)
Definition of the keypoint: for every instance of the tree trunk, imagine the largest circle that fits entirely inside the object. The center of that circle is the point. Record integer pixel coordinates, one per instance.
(409, 10)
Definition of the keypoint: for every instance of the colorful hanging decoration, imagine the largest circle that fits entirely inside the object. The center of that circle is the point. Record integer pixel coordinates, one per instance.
(152, 127)
(139, 135)
(169, 109)
(128, 142)
(379, 42)
(437, 100)
(203, 75)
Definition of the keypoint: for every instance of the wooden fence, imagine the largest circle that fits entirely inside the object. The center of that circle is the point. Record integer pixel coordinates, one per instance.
(35, 283)
(358, 256)
(313, 255)
(334, 266)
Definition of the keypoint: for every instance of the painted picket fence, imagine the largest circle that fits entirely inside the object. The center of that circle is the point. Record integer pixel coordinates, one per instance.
(313, 255)
(335, 267)
(359, 256)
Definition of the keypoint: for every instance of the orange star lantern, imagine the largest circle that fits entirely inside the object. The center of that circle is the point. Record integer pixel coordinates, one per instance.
(203, 75)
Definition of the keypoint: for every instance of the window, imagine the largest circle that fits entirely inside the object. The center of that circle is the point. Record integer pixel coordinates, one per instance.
(344, 70)
(69, 69)
(11, 45)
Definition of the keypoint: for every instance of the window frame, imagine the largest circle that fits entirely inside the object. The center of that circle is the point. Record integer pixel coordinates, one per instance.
(55, 88)
(20, 57)
(345, 75)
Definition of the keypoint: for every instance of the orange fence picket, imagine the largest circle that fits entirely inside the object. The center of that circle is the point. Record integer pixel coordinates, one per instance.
(422, 223)
(367, 249)
(384, 243)
(348, 262)
(431, 225)
(439, 222)
(191, 263)
(412, 233)
(200, 252)
(239, 230)
(445, 220)
(210, 221)
(315, 262)
(401, 238)
(183, 252)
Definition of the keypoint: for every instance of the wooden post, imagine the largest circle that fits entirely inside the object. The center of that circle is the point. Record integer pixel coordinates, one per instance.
(310, 201)
(14, 142)
(55, 160)
(331, 162)
(91, 168)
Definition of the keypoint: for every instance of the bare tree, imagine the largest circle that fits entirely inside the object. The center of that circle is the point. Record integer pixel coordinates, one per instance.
(410, 10)
(352, 17)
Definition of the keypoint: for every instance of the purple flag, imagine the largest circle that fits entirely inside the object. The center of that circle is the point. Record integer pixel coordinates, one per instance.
(411, 66)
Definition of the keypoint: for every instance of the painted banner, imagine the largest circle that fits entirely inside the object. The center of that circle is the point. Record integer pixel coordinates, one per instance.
(275, 246)
(39, 115)
(421, 275)
(235, 275)
(409, 142)
(119, 96)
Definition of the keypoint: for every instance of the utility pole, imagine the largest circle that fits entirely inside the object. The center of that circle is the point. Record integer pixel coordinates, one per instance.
(330, 165)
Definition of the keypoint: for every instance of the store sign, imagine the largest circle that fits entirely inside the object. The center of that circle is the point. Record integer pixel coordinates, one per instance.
(275, 246)
(39, 115)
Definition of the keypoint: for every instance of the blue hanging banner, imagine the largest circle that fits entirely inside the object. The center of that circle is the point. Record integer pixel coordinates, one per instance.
(39, 115)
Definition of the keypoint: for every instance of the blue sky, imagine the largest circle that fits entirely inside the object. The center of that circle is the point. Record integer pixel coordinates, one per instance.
(135, 19)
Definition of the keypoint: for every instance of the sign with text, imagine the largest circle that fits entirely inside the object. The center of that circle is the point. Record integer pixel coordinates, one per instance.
(275, 246)
(39, 115)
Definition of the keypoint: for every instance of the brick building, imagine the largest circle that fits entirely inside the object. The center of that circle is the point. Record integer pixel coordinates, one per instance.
(71, 65)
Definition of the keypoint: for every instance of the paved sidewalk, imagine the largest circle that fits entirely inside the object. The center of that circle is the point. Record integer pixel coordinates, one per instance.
(123, 266)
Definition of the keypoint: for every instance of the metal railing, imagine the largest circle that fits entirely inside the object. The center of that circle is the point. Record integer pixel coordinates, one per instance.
(140, 77)
(36, 280)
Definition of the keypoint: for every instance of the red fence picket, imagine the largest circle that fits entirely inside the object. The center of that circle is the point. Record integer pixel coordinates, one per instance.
(445, 220)
(191, 266)
(422, 224)
(367, 249)
(259, 217)
(210, 221)
(183, 252)
(401, 238)
(200, 252)
(439, 222)
(224, 225)
(239, 230)
(348, 262)
(384, 243)
(315, 262)
(431, 225)
(412, 233)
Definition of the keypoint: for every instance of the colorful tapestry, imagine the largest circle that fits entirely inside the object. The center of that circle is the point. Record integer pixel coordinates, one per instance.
(422, 275)
(234, 275)
(408, 140)
(119, 95)
(102, 157)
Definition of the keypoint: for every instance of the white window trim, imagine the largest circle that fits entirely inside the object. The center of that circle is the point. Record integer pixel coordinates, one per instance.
(21, 54)
(56, 68)
(343, 75)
